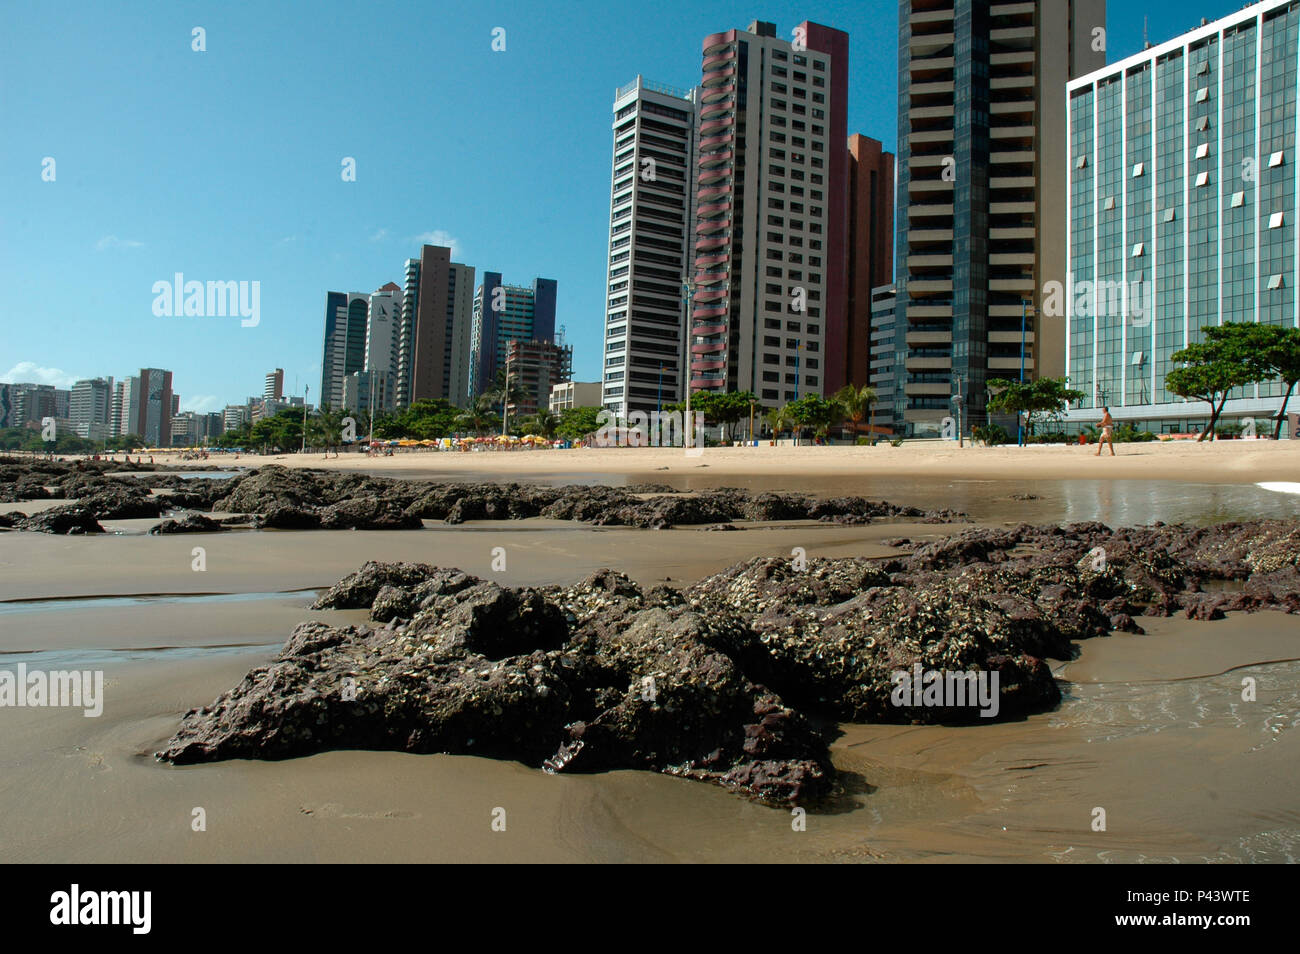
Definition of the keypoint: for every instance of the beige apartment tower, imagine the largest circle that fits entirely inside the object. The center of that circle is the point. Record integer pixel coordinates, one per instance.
(982, 194)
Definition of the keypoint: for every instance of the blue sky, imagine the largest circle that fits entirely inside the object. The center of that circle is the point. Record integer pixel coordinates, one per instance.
(225, 165)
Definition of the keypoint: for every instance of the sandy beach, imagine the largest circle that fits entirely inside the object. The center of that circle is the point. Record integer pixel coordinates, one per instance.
(1152, 727)
(1227, 461)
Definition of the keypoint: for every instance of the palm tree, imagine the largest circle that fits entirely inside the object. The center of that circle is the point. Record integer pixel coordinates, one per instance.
(859, 402)
(477, 419)
(778, 418)
(544, 423)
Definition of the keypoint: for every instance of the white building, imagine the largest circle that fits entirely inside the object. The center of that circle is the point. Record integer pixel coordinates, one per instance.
(652, 211)
(569, 394)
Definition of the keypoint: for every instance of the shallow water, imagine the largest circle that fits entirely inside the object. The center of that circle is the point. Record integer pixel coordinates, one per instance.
(160, 599)
(1113, 502)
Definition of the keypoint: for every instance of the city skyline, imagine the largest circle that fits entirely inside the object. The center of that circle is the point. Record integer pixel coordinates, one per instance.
(110, 216)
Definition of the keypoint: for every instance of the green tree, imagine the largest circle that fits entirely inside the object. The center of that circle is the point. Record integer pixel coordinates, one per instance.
(124, 442)
(1039, 397)
(1232, 355)
(726, 408)
(858, 402)
(1282, 353)
(577, 423)
(815, 413)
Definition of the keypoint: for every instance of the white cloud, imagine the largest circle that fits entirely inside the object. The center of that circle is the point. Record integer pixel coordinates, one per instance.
(29, 372)
(202, 403)
(112, 241)
(379, 236)
(440, 237)
(287, 240)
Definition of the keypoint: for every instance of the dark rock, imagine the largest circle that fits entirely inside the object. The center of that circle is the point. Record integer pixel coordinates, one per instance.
(70, 518)
(188, 522)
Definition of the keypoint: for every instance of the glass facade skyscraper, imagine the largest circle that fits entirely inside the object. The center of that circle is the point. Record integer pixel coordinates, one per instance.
(1183, 211)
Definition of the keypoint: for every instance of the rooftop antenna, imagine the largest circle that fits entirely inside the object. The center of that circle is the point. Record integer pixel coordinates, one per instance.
(1146, 44)
(559, 336)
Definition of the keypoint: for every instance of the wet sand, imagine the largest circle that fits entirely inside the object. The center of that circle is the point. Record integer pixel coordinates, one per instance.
(1153, 728)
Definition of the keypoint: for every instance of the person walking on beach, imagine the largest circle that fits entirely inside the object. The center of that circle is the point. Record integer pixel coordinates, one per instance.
(1107, 432)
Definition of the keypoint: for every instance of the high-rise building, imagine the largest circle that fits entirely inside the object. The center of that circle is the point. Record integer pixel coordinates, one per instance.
(651, 219)
(981, 220)
(361, 388)
(871, 248)
(884, 355)
(504, 313)
(126, 407)
(345, 343)
(383, 337)
(274, 388)
(91, 408)
(433, 338)
(32, 403)
(770, 277)
(1183, 211)
(535, 367)
(154, 412)
(234, 416)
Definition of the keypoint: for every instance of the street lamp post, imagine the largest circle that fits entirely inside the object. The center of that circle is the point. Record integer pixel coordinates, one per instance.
(371, 440)
(659, 398)
(505, 399)
(306, 389)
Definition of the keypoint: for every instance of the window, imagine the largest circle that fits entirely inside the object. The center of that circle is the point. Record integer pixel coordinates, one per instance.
(1202, 123)
(1203, 150)
(1081, 162)
(1275, 220)
(1169, 215)
(1238, 199)
(1274, 282)
(1138, 249)
(1108, 202)
(1137, 169)
(1202, 94)
(1203, 68)
(1275, 159)
(1202, 179)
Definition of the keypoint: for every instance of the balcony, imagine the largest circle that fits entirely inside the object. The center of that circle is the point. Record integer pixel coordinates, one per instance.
(928, 364)
(930, 286)
(930, 235)
(930, 337)
(929, 261)
(1024, 283)
(1011, 258)
(1013, 337)
(928, 389)
(1011, 364)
